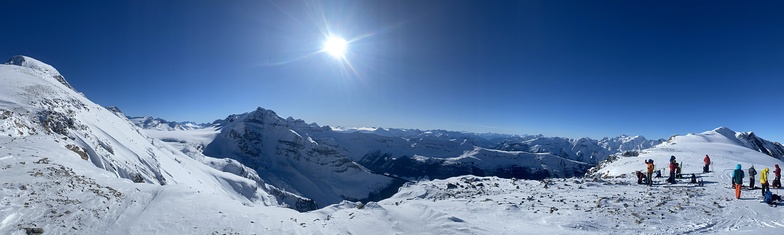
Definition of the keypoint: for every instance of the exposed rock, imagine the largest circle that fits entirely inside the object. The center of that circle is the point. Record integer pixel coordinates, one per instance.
(78, 150)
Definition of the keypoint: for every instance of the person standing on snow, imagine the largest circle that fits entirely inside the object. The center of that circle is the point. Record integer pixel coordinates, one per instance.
(764, 180)
(707, 164)
(737, 179)
(678, 170)
(777, 180)
(673, 165)
(752, 173)
(650, 171)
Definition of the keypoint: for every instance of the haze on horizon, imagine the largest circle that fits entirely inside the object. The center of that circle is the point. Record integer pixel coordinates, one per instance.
(558, 68)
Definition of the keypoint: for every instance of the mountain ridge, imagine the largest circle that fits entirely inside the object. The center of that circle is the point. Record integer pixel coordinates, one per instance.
(39, 109)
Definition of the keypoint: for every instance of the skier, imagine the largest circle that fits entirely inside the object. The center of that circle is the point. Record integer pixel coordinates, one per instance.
(737, 180)
(772, 199)
(752, 173)
(707, 164)
(768, 197)
(678, 170)
(640, 177)
(650, 171)
(764, 180)
(777, 180)
(673, 165)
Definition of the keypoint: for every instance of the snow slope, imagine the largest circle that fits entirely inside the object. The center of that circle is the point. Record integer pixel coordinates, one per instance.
(43, 118)
(721, 144)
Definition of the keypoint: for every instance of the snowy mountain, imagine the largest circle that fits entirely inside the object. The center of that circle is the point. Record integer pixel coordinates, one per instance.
(724, 146)
(151, 123)
(297, 156)
(41, 113)
(750, 140)
(488, 139)
(293, 161)
(38, 68)
(584, 149)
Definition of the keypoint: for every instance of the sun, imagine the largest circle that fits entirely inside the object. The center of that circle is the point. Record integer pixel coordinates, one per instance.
(336, 47)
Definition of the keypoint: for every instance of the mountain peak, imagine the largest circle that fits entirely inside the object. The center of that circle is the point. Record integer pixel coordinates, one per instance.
(725, 131)
(723, 128)
(29, 62)
(37, 65)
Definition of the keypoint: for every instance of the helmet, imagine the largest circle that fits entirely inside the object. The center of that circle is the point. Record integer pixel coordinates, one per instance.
(650, 160)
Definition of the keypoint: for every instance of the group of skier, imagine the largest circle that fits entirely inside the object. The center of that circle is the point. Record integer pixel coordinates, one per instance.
(675, 172)
(737, 182)
(737, 177)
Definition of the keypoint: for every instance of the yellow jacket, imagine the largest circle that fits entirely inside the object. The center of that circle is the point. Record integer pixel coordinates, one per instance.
(764, 175)
(650, 167)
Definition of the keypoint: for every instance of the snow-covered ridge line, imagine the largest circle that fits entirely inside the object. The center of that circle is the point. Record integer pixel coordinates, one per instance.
(147, 122)
(41, 112)
(725, 147)
(39, 67)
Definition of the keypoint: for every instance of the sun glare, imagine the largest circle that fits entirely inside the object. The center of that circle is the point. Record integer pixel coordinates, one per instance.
(336, 47)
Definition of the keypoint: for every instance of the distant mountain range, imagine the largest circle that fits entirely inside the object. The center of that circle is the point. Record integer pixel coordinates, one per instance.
(326, 163)
(332, 164)
(151, 123)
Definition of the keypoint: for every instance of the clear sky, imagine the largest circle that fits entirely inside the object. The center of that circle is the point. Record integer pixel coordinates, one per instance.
(558, 68)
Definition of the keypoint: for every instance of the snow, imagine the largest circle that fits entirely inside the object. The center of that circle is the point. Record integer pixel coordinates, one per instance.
(722, 145)
(35, 65)
(202, 136)
(46, 184)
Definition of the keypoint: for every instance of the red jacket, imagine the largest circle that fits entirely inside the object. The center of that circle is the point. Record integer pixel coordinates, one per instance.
(707, 160)
(672, 166)
(777, 171)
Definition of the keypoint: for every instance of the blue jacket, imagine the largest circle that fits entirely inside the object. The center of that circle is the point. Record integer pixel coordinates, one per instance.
(768, 197)
(737, 175)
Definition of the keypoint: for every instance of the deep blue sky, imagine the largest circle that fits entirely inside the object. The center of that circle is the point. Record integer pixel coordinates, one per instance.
(559, 68)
